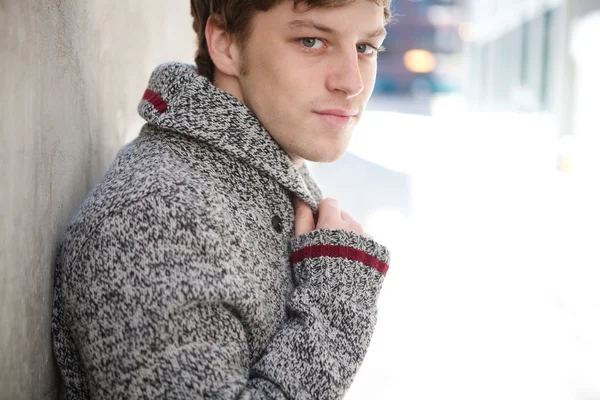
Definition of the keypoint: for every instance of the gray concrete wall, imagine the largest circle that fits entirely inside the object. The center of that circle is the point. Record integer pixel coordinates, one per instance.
(71, 75)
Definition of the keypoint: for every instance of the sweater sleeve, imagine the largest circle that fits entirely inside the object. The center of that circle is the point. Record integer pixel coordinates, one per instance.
(154, 309)
(331, 314)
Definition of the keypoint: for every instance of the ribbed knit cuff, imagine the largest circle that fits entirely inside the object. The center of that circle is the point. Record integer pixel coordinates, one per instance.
(342, 244)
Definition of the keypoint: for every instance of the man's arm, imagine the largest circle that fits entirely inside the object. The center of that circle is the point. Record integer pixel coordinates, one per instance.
(153, 305)
(332, 314)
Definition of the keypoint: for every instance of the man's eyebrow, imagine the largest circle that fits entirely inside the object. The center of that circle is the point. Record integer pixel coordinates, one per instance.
(308, 23)
(377, 33)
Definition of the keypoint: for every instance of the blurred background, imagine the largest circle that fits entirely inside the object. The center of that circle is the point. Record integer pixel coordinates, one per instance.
(477, 164)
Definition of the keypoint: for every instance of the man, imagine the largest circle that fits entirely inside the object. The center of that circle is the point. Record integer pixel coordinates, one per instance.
(196, 268)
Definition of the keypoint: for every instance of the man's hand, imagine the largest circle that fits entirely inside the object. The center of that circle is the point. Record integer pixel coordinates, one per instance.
(329, 216)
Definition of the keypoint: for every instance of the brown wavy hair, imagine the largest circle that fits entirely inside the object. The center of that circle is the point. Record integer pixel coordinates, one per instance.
(234, 16)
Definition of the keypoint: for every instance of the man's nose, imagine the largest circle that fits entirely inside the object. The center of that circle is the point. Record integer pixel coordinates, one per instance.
(345, 75)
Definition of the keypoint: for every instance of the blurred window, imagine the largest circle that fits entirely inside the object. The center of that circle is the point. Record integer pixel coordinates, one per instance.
(525, 51)
(549, 17)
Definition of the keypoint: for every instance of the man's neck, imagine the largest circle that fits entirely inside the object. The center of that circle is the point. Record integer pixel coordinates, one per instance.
(231, 85)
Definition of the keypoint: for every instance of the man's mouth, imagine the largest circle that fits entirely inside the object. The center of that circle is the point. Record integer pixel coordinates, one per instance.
(338, 112)
(337, 117)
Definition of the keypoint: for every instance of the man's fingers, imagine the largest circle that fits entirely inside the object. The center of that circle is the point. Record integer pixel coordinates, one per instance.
(346, 217)
(329, 208)
(329, 216)
(305, 222)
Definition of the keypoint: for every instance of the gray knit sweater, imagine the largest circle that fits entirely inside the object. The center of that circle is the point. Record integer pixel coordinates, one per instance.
(179, 277)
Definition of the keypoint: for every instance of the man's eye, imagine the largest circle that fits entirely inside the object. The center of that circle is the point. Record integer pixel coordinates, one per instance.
(365, 49)
(312, 43)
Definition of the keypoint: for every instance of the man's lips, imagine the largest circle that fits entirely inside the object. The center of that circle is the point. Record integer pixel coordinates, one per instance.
(337, 112)
(336, 117)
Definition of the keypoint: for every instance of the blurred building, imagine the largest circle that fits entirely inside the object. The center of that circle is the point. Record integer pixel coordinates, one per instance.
(538, 56)
(514, 54)
(422, 48)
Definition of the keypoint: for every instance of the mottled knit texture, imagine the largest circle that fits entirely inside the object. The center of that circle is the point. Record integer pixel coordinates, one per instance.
(175, 280)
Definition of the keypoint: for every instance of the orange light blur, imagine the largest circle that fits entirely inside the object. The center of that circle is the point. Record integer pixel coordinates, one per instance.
(419, 61)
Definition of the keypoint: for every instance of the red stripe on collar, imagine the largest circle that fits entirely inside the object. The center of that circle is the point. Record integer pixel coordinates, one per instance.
(156, 100)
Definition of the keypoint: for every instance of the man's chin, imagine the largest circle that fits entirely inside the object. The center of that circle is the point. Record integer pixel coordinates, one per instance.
(327, 155)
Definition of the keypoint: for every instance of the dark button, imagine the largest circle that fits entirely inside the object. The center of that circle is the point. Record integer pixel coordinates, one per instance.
(277, 225)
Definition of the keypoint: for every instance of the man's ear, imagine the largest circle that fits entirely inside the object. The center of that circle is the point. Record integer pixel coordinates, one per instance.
(222, 48)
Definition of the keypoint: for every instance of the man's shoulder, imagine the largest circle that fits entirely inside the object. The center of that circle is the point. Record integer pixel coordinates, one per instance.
(160, 163)
(157, 176)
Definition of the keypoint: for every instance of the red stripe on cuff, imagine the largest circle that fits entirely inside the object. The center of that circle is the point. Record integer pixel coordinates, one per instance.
(156, 100)
(327, 250)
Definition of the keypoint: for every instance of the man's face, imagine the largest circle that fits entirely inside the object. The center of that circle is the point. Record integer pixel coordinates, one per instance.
(308, 75)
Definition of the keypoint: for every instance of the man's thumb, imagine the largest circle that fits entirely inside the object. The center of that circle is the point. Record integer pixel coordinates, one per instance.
(305, 221)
